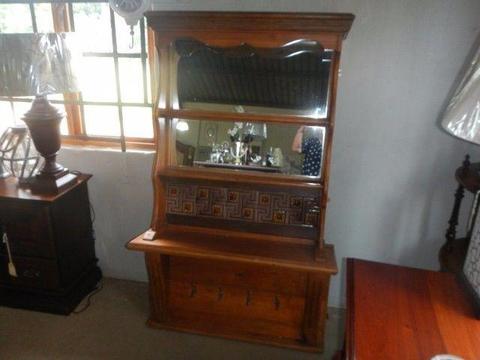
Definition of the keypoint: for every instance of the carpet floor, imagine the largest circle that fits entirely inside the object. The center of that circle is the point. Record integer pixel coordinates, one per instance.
(113, 327)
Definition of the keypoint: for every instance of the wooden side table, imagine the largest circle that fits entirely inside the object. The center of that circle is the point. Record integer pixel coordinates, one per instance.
(52, 246)
(395, 312)
(452, 253)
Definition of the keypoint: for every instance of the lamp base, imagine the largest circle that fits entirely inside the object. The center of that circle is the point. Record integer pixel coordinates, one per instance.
(52, 183)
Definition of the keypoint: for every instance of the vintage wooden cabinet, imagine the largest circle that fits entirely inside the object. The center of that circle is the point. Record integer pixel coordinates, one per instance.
(51, 242)
(244, 118)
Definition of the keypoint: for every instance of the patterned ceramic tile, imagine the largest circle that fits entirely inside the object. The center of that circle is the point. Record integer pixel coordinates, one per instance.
(239, 204)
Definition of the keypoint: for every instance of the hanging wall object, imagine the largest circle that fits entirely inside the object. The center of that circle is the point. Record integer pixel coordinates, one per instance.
(130, 10)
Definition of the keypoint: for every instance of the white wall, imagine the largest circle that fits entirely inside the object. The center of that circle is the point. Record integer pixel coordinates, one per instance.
(392, 176)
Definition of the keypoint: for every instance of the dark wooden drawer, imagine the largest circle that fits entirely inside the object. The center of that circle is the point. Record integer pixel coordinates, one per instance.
(28, 230)
(32, 273)
(265, 278)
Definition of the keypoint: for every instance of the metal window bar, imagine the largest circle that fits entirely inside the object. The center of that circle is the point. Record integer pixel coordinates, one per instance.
(115, 55)
(117, 79)
(34, 18)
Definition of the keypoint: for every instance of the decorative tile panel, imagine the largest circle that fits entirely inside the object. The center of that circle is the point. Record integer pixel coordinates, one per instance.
(239, 204)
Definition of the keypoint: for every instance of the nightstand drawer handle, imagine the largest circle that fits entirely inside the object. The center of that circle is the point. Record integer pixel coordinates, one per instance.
(193, 290)
(248, 298)
(31, 273)
(276, 302)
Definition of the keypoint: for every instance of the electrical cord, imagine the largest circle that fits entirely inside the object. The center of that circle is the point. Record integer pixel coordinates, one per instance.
(88, 302)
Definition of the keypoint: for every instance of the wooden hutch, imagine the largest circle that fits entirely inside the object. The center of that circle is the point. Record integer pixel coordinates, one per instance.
(239, 252)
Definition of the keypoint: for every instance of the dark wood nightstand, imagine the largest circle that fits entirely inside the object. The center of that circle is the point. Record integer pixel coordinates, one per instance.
(452, 253)
(52, 246)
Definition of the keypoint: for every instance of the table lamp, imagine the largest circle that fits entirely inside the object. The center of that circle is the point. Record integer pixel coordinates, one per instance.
(39, 65)
(461, 118)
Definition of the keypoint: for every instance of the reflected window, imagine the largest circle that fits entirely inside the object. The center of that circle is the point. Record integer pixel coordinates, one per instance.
(290, 80)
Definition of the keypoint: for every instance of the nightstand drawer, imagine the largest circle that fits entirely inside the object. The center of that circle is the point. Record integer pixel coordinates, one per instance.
(32, 273)
(28, 230)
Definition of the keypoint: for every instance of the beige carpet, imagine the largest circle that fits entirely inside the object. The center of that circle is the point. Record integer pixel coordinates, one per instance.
(113, 327)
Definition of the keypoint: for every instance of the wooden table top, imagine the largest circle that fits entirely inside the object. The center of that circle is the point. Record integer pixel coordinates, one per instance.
(402, 313)
(10, 189)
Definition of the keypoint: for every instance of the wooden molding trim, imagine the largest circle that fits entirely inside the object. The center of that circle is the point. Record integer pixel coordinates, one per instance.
(249, 21)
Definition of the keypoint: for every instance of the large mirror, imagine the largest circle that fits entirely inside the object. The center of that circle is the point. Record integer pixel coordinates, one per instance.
(289, 80)
(266, 147)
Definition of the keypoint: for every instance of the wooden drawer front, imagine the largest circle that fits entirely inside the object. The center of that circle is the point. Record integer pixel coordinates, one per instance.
(32, 273)
(264, 278)
(236, 310)
(28, 231)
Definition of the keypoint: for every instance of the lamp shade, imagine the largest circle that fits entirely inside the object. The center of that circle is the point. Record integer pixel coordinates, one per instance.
(462, 115)
(36, 64)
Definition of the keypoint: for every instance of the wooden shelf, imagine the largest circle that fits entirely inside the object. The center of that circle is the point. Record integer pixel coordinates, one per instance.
(247, 117)
(221, 247)
(243, 177)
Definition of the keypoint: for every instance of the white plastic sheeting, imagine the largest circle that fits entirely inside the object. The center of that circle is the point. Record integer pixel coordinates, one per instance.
(36, 64)
(462, 115)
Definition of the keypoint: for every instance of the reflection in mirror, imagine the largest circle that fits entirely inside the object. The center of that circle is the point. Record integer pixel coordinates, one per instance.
(273, 148)
(290, 80)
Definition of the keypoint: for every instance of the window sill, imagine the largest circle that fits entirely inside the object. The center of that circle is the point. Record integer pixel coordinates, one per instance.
(108, 144)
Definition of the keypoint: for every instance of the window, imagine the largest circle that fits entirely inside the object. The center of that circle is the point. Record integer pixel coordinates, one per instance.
(114, 106)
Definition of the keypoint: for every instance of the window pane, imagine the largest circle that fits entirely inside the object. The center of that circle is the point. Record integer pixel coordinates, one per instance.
(124, 39)
(63, 123)
(20, 108)
(131, 80)
(97, 77)
(15, 18)
(92, 23)
(137, 122)
(6, 115)
(43, 14)
(149, 91)
(64, 126)
(57, 97)
(102, 120)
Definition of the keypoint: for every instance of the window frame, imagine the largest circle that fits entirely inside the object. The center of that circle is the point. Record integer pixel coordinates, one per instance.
(64, 21)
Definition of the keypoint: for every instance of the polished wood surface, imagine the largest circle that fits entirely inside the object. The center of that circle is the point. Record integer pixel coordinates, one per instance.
(254, 251)
(229, 278)
(397, 312)
(10, 189)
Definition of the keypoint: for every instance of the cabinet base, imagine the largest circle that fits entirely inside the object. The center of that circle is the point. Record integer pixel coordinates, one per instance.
(61, 302)
(272, 341)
